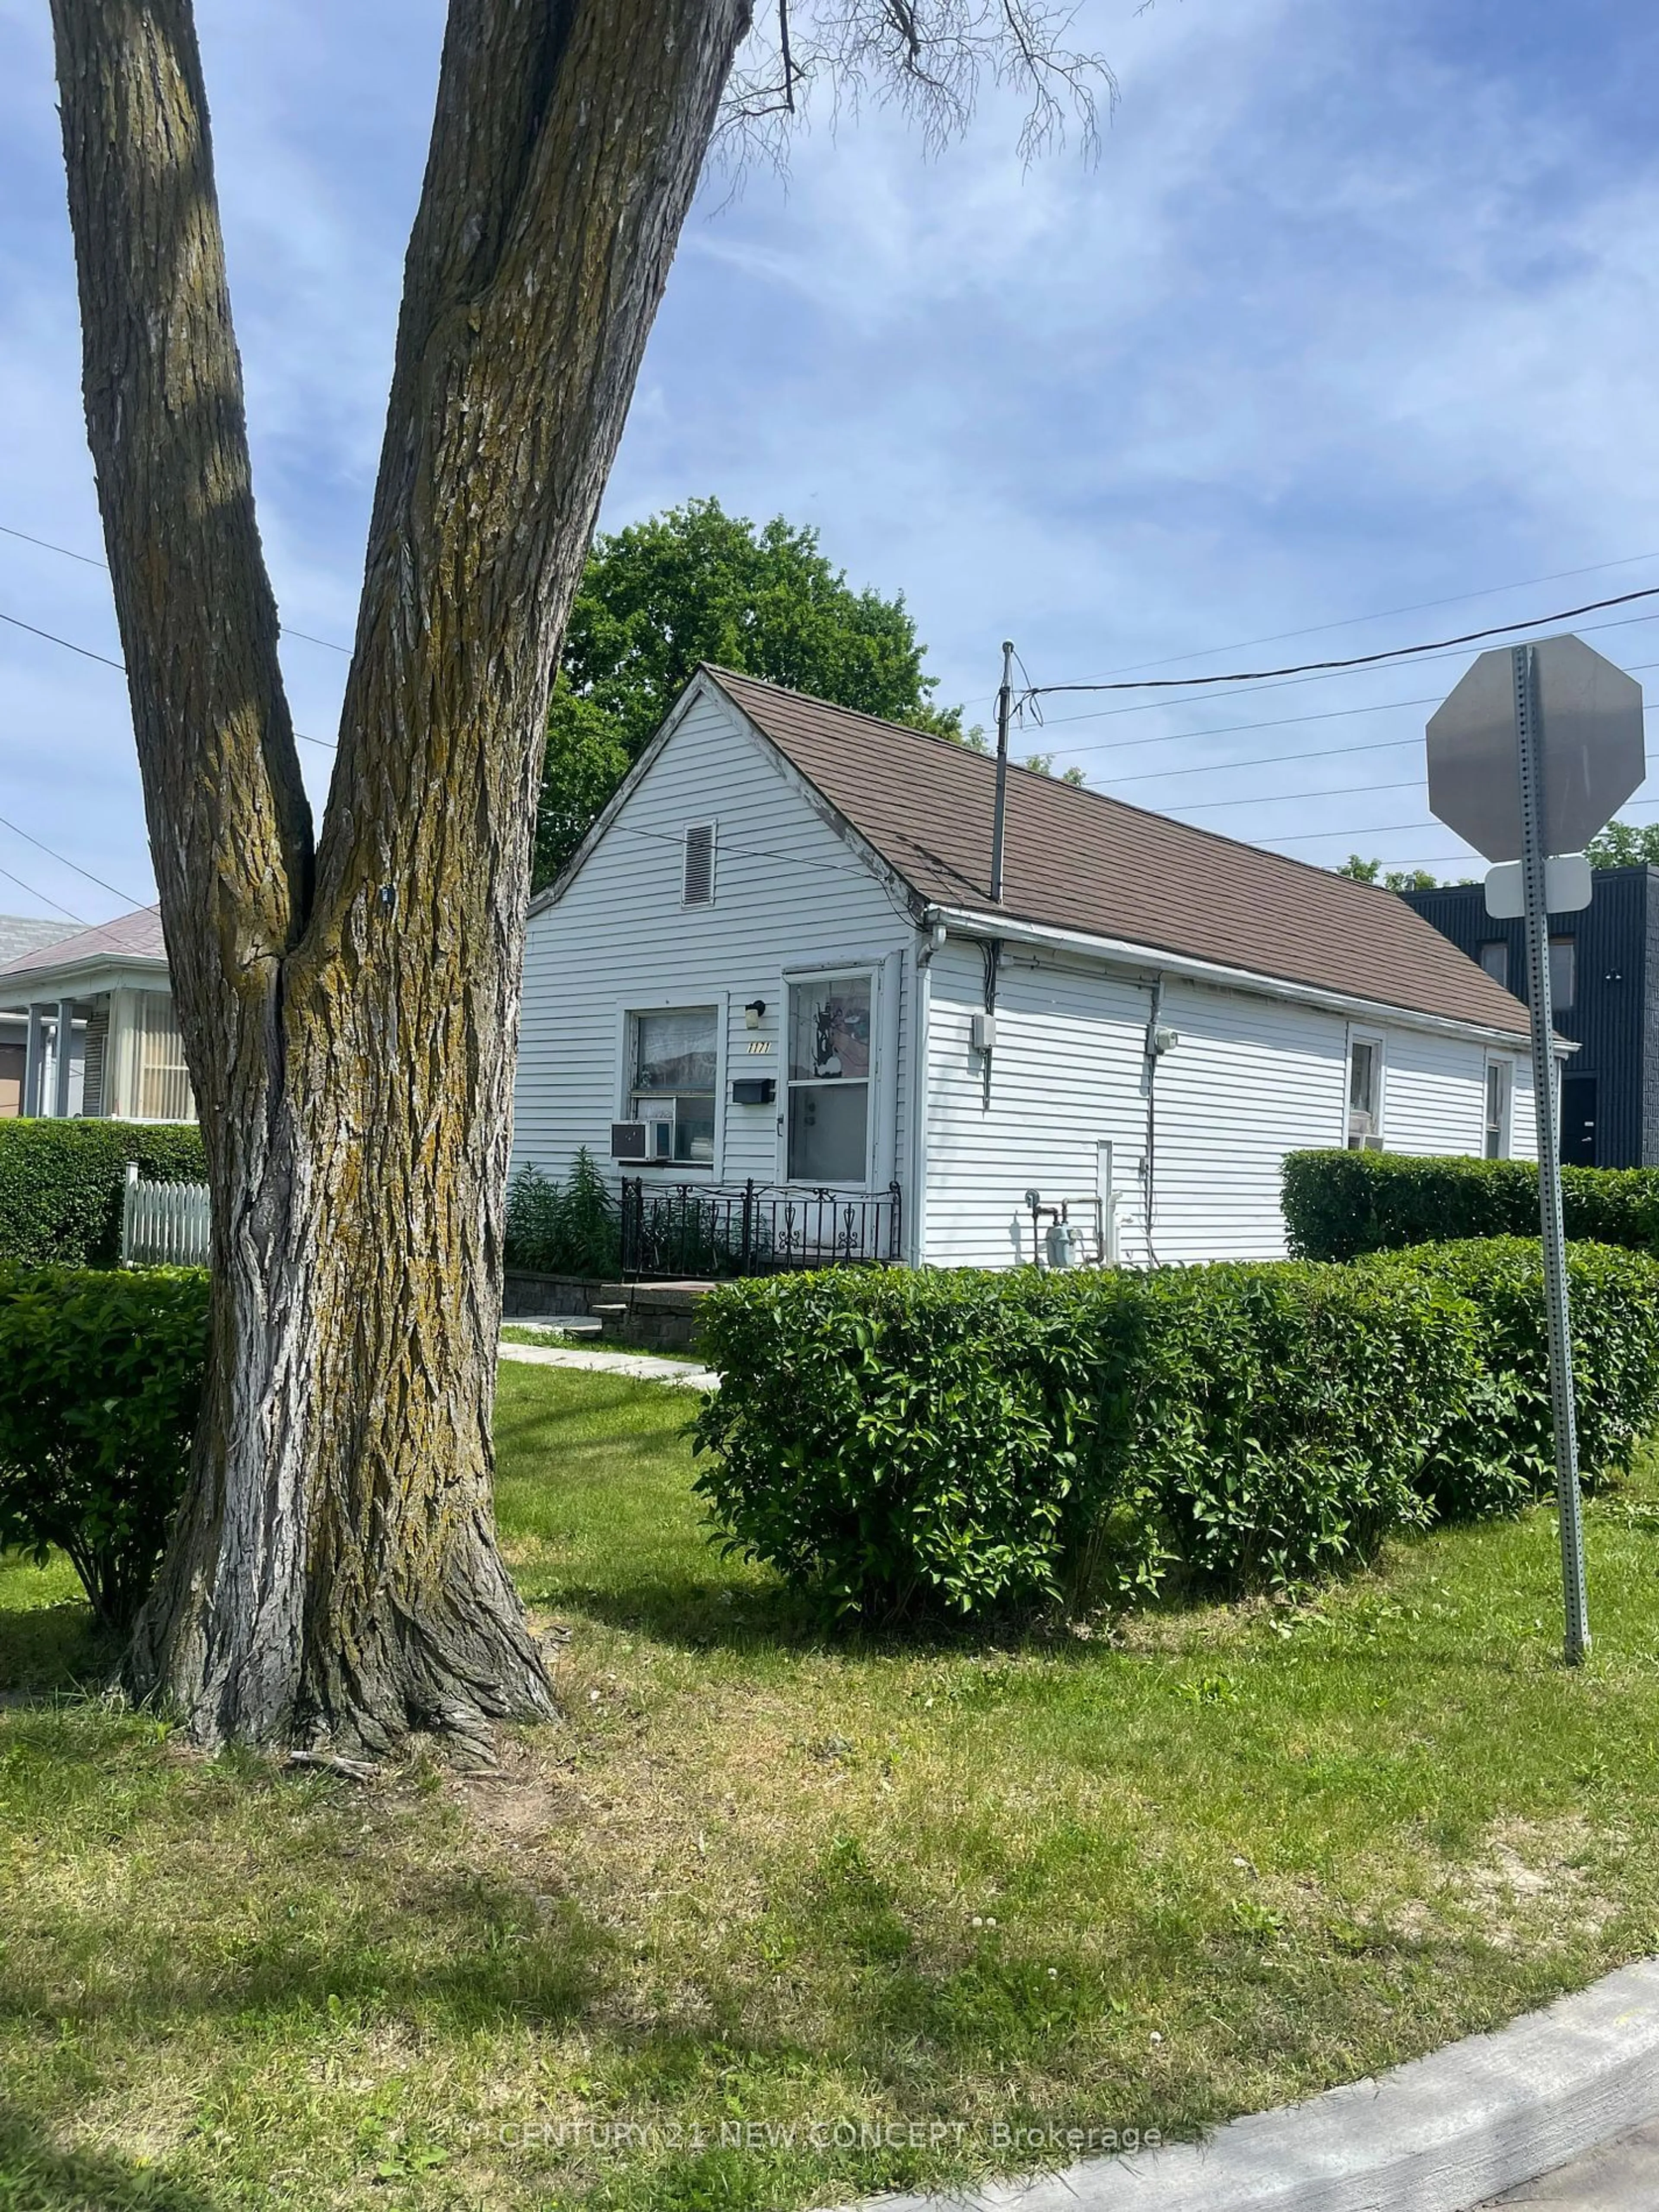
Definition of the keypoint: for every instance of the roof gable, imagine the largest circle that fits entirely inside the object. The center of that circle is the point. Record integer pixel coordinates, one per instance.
(1076, 859)
(135, 936)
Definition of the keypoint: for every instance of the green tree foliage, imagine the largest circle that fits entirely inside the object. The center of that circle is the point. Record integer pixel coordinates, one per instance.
(1043, 764)
(1624, 845)
(697, 583)
(1392, 879)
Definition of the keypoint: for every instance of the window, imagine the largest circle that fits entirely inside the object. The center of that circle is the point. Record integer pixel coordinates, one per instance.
(1500, 1083)
(1563, 974)
(1495, 959)
(674, 1056)
(164, 1092)
(697, 866)
(829, 1078)
(1364, 1094)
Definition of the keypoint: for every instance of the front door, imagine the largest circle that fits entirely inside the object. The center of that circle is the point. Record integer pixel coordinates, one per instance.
(1578, 1121)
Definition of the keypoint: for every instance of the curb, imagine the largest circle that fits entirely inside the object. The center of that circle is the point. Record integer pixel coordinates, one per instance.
(1441, 2134)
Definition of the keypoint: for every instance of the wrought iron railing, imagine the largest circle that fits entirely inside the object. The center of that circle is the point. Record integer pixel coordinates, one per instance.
(698, 1230)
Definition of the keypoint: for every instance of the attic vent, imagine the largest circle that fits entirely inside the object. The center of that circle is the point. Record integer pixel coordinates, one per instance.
(697, 881)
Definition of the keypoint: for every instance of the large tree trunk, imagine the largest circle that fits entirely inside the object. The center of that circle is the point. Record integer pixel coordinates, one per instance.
(351, 1017)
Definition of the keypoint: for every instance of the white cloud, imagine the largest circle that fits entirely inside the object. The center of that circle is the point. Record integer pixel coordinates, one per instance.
(1353, 313)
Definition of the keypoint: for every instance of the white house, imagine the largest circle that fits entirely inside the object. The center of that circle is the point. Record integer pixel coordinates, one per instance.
(99, 1032)
(775, 959)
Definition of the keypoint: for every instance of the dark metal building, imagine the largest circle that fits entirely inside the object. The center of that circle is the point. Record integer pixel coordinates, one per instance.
(1603, 974)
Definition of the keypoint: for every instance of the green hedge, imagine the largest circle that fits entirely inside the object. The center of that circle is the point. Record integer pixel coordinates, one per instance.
(102, 1383)
(1339, 1206)
(60, 1184)
(902, 1443)
(1615, 1332)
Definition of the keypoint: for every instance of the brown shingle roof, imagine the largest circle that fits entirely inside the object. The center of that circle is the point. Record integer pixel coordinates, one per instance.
(1076, 859)
(135, 936)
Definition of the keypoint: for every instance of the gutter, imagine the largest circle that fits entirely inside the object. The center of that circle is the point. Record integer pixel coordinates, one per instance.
(131, 971)
(1117, 951)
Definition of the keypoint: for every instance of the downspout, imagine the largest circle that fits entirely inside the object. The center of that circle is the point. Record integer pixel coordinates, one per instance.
(915, 1211)
(990, 950)
(1149, 1157)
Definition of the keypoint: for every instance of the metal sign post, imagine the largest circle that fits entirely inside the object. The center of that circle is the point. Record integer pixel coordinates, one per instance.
(1534, 853)
(1536, 748)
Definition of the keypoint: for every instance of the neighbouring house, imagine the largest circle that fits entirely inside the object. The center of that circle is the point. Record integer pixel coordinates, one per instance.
(97, 1031)
(1604, 976)
(19, 934)
(773, 995)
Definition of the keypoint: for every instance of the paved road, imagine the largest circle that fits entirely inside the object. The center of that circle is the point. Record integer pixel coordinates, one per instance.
(1621, 2176)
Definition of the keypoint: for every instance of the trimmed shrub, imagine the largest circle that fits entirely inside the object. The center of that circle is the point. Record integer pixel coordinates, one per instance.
(902, 1443)
(61, 1185)
(103, 1381)
(1339, 1206)
(1614, 1305)
(563, 1229)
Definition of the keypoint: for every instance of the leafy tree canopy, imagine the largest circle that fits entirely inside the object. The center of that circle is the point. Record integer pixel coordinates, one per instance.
(1624, 845)
(697, 583)
(1392, 879)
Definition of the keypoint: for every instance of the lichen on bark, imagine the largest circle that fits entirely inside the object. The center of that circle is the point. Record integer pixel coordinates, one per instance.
(350, 1010)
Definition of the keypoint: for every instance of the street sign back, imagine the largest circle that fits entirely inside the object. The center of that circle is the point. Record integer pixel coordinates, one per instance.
(1593, 751)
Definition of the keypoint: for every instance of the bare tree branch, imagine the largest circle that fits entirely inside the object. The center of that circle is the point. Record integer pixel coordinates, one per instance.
(929, 59)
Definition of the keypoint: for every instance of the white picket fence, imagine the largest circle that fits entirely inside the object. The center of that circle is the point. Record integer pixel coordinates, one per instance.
(164, 1224)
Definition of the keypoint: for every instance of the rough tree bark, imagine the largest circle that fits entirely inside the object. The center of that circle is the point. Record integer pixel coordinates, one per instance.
(350, 1014)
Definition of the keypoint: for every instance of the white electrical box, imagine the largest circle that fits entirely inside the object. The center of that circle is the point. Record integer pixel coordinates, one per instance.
(985, 1032)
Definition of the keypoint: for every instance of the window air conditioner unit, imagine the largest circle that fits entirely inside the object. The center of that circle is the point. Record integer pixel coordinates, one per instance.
(1362, 1135)
(627, 1141)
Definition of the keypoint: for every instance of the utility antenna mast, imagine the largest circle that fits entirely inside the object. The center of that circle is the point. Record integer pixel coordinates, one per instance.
(1005, 709)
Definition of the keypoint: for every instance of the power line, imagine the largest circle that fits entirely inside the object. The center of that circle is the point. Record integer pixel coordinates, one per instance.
(64, 861)
(120, 668)
(46, 546)
(41, 896)
(1285, 722)
(1418, 607)
(1279, 798)
(86, 560)
(1247, 691)
(1357, 660)
(52, 638)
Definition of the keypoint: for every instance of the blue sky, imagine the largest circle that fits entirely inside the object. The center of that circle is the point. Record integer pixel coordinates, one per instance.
(1355, 311)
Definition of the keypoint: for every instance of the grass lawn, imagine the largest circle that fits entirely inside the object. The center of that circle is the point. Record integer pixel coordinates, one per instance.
(759, 1879)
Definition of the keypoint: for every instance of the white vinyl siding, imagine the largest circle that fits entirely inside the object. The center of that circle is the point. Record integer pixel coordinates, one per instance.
(1065, 1076)
(791, 894)
(1437, 1093)
(1249, 1080)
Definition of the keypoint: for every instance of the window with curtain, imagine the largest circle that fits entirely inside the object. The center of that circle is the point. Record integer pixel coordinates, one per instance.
(675, 1054)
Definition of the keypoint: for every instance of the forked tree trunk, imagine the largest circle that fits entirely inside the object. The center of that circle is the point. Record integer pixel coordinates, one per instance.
(350, 1015)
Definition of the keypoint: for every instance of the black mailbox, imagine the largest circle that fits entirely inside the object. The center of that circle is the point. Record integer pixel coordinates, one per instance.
(754, 1090)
